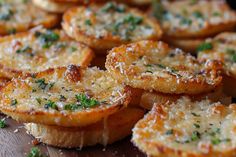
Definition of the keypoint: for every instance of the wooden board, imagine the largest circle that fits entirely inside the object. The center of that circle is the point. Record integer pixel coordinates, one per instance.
(15, 142)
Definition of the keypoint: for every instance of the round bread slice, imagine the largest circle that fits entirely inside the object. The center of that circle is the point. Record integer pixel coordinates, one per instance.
(39, 50)
(69, 97)
(20, 15)
(103, 27)
(148, 99)
(195, 19)
(151, 65)
(222, 48)
(52, 6)
(107, 131)
(187, 129)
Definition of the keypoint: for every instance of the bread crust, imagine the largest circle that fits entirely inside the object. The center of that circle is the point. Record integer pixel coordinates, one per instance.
(103, 132)
(148, 99)
(151, 65)
(69, 96)
(169, 130)
(200, 19)
(100, 29)
(24, 17)
(52, 6)
(26, 53)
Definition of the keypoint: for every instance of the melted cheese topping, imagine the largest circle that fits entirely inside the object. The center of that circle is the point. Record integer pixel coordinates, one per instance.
(113, 20)
(196, 18)
(190, 128)
(56, 94)
(28, 52)
(155, 62)
(20, 15)
(223, 49)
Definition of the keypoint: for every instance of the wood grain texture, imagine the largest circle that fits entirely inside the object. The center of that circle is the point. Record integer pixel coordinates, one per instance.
(15, 142)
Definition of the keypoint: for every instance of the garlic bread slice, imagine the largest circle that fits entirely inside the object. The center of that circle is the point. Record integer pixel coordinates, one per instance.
(20, 15)
(107, 131)
(187, 129)
(39, 50)
(103, 27)
(195, 19)
(69, 97)
(151, 65)
(52, 6)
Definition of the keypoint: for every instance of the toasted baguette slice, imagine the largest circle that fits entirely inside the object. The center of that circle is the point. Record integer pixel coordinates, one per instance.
(148, 99)
(18, 16)
(223, 48)
(69, 97)
(109, 130)
(37, 51)
(155, 66)
(54, 7)
(198, 19)
(187, 45)
(187, 129)
(103, 27)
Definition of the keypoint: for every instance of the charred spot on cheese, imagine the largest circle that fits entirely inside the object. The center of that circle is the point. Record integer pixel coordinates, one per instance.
(48, 38)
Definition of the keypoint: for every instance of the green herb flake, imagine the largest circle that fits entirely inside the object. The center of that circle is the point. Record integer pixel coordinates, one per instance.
(195, 115)
(73, 49)
(195, 136)
(86, 102)
(43, 85)
(35, 152)
(71, 107)
(48, 38)
(216, 14)
(196, 125)
(39, 101)
(25, 49)
(88, 22)
(111, 6)
(158, 9)
(205, 46)
(5, 16)
(185, 21)
(13, 102)
(2, 123)
(198, 14)
(169, 132)
(51, 104)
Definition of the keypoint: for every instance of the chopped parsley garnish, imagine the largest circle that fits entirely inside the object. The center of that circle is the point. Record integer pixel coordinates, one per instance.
(185, 21)
(169, 132)
(35, 152)
(195, 136)
(234, 58)
(47, 38)
(158, 9)
(194, 114)
(2, 123)
(216, 14)
(192, 2)
(14, 102)
(51, 104)
(205, 46)
(38, 100)
(62, 98)
(71, 107)
(88, 22)
(73, 49)
(196, 125)
(111, 6)
(216, 141)
(86, 102)
(11, 31)
(43, 85)
(6, 15)
(232, 53)
(198, 14)
(25, 49)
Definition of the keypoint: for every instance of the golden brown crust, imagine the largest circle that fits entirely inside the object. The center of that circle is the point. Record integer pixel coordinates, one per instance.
(103, 30)
(187, 129)
(69, 97)
(199, 19)
(21, 16)
(155, 66)
(37, 51)
(106, 131)
(229, 85)
(54, 7)
(148, 99)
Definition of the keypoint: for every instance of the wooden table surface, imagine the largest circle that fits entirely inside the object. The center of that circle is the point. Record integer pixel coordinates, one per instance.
(15, 142)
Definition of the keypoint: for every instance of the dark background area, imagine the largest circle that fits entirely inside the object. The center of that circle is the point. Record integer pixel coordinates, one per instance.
(232, 3)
